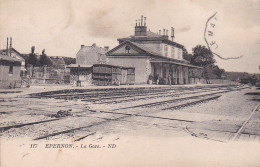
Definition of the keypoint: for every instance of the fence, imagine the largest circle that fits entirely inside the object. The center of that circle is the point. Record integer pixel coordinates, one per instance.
(210, 81)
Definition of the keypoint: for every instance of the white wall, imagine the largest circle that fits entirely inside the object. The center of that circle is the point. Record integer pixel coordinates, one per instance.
(173, 52)
(142, 66)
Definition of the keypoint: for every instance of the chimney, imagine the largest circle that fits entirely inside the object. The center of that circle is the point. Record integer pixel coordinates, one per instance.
(10, 46)
(140, 28)
(142, 20)
(7, 47)
(82, 46)
(163, 32)
(159, 32)
(172, 33)
(136, 22)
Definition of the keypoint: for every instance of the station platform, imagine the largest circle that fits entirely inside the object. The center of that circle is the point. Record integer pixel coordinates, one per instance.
(11, 93)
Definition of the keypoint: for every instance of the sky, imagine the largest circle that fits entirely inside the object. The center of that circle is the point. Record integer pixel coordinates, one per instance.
(62, 26)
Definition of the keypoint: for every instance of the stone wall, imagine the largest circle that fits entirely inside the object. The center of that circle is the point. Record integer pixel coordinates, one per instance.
(47, 75)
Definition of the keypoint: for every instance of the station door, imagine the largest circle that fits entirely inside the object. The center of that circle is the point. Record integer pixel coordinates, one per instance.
(124, 76)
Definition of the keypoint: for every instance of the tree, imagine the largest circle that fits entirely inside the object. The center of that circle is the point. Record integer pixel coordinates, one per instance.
(44, 59)
(202, 56)
(218, 71)
(32, 57)
(69, 60)
(186, 55)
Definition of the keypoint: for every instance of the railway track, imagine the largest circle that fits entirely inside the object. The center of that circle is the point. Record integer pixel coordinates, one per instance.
(145, 108)
(141, 97)
(168, 101)
(235, 137)
(134, 114)
(2, 129)
(150, 104)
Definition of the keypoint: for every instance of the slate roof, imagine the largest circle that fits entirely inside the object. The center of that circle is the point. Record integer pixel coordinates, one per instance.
(148, 49)
(91, 54)
(8, 58)
(14, 50)
(96, 49)
(150, 36)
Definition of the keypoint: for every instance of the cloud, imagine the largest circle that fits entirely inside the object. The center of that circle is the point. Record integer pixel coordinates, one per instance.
(61, 26)
(184, 29)
(102, 24)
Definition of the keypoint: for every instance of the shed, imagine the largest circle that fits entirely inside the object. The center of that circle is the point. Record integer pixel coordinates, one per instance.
(10, 71)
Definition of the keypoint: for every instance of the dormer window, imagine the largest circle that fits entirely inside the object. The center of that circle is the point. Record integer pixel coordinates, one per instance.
(127, 49)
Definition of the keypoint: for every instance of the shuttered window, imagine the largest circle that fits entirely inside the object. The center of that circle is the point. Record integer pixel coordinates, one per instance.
(11, 68)
(166, 50)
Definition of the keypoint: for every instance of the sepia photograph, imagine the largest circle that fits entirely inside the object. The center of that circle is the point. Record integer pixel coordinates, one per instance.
(140, 83)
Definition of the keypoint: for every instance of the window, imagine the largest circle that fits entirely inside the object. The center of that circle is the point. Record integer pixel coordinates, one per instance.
(127, 49)
(11, 68)
(173, 52)
(179, 53)
(166, 50)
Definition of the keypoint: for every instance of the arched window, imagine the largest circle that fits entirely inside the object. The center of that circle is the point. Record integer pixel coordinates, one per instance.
(127, 49)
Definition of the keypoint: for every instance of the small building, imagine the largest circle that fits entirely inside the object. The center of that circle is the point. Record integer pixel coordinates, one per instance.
(154, 57)
(10, 51)
(89, 55)
(104, 74)
(80, 75)
(10, 70)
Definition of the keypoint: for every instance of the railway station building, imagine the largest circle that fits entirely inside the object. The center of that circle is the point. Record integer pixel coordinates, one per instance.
(154, 56)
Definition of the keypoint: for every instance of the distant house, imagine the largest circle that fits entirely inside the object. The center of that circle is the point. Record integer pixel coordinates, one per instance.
(18, 56)
(57, 62)
(89, 55)
(10, 70)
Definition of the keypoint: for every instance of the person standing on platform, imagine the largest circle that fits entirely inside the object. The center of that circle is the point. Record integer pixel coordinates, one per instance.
(169, 79)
